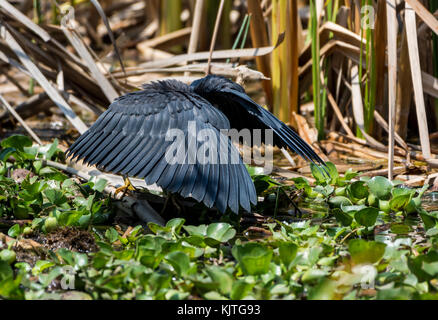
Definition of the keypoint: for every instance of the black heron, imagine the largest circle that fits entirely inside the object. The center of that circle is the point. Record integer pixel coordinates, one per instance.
(130, 138)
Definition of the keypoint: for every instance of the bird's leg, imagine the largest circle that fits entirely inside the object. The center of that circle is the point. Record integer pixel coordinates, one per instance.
(171, 197)
(300, 214)
(176, 204)
(166, 202)
(291, 199)
(127, 186)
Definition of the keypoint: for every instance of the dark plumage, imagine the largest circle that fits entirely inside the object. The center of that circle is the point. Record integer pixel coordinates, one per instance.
(130, 138)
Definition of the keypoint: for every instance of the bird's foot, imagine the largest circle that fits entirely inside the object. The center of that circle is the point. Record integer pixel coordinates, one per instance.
(127, 186)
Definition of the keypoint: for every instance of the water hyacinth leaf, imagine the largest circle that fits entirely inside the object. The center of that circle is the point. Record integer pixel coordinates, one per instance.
(46, 279)
(253, 258)
(381, 187)
(200, 230)
(55, 196)
(223, 278)
(159, 280)
(417, 264)
(21, 211)
(8, 256)
(413, 205)
(313, 255)
(155, 228)
(214, 295)
(339, 201)
(431, 268)
(358, 190)
(18, 142)
(326, 190)
(398, 203)
(180, 262)
(372, 200)
(318, 174)
(53, 148)
(384, 205)
(41, 265)
(133, 234)
(421, 191)
(403, 293)
(396, 182)
(37, 165)
(255, 171)
(313, 274)
(14, 231)
(333, 171)
(353, 208)
(367, 217)
(49, 150)
(350, 174)
(263, 183)
(341, 191)
(432, 232)
(327, 261)
(111, 234)
(66, 256)
(433, 214)
(302, 184)
(3, 168)
(6, 271)
(84, 220)
(342, 217)
(288, 252)
(241, 289)
(81, 259)
(402, 191)
(428, 220)
(325, 290)
(175, 225)
(363, 251)
(53, 174)
(220, 232)
(6, 153)
(196, 240)
(100, 185)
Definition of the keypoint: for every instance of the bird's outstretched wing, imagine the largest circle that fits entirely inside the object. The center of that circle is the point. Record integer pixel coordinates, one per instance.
(243, 112)
(130, 138)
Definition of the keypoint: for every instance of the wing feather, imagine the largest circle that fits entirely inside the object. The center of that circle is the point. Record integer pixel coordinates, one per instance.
(243, 112)
(130, 138)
